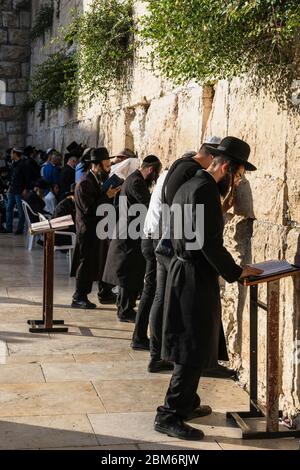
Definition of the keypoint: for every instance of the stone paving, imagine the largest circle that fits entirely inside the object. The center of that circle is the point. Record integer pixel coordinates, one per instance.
(86, 389)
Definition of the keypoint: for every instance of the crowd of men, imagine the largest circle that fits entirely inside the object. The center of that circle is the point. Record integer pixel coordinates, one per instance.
(178, 318)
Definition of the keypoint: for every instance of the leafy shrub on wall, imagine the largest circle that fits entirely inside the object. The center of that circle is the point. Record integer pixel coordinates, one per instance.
(54, 82)
(208, 40)
(43, 20)
(104, 41)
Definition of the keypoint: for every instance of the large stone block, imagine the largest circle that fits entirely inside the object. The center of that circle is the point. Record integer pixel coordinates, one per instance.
(21, 4)
(293, 170)
(290, 354)
(15, 127)
(3, 36)
(159, 135)
(20, 98)
(18, 84)
(25, 19)
(18, 36)
(14, 53)
(10, 19)
(16, 140)
(6, 4)
(2, 129)
(6, 113)
(25, 70)
(189, 120)
(9, 99)
(9, 69)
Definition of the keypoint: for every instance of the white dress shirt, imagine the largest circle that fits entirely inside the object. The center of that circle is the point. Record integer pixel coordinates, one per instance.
(153, 215)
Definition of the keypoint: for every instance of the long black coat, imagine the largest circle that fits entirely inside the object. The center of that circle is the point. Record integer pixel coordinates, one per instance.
(192, 312)
(125, 264)
(88, 196)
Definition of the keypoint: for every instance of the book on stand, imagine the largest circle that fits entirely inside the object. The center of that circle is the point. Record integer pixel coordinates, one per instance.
(59, 223)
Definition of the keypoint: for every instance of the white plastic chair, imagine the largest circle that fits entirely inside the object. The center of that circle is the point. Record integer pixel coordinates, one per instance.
(70, 247)
(29, 238)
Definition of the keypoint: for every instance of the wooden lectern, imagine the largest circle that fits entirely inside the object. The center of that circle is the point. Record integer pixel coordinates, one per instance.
(271, 411)
(48, 227)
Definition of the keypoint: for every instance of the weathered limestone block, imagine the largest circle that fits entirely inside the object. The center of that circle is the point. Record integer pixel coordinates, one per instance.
(6, 4)
(16, 140)
(293, 170)
(2, 128)
(9, 99)
(17, 84)
(18, 36)
(290, 350)
(25, 19)
(25, 70)
(10, 19)
(15, 127)
(188, 132)
(20, 98)
(117, 133)
(160, 128)
(9, 69)
(14, 53)
(3, 36)
(6, 113)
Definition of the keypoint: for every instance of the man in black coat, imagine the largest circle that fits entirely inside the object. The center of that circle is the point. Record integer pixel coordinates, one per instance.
(67, 176)
(89, 255)
(192, 318)
(125, 264)
(183, 170)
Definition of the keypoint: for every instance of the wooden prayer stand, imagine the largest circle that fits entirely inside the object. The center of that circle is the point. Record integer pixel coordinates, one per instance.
(46, 324)
(271, 411)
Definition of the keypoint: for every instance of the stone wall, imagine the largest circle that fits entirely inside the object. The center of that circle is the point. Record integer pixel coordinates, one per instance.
(265, 223)
(14, 70)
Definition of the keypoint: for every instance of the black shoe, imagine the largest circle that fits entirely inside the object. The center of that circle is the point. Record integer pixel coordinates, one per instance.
(107, 299)
(199, 412)
(141, 345)
(4, 230)
(128, 318)
(84, 304)
(177, 428)
(19, 232)
(220, 372)
(160, 365)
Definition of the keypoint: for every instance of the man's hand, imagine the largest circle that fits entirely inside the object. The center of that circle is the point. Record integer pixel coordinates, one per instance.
(111, 192)
(249, 271)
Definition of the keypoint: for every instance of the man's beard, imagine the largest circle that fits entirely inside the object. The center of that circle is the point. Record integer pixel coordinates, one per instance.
(224, 185)
(103, 175)
(151, 179)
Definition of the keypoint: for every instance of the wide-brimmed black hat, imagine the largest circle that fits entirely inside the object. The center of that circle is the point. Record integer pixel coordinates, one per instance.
(235, 149)
(98, 155)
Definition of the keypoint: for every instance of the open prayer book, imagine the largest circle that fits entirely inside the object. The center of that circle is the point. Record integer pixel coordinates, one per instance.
(272, 267)
(59, 223)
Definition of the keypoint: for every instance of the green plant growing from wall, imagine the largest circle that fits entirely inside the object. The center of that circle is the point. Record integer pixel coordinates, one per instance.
(208, 40)
(104, 39)
(43, 20)
(54, 82)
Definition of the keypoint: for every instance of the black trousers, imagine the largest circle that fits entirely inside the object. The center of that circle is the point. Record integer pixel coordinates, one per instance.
(142, 318)
(181, 398)
(157, 309)
(126, 301)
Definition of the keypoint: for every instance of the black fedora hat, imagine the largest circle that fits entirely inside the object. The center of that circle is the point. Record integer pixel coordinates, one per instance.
(98, 155)
(235, 149)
